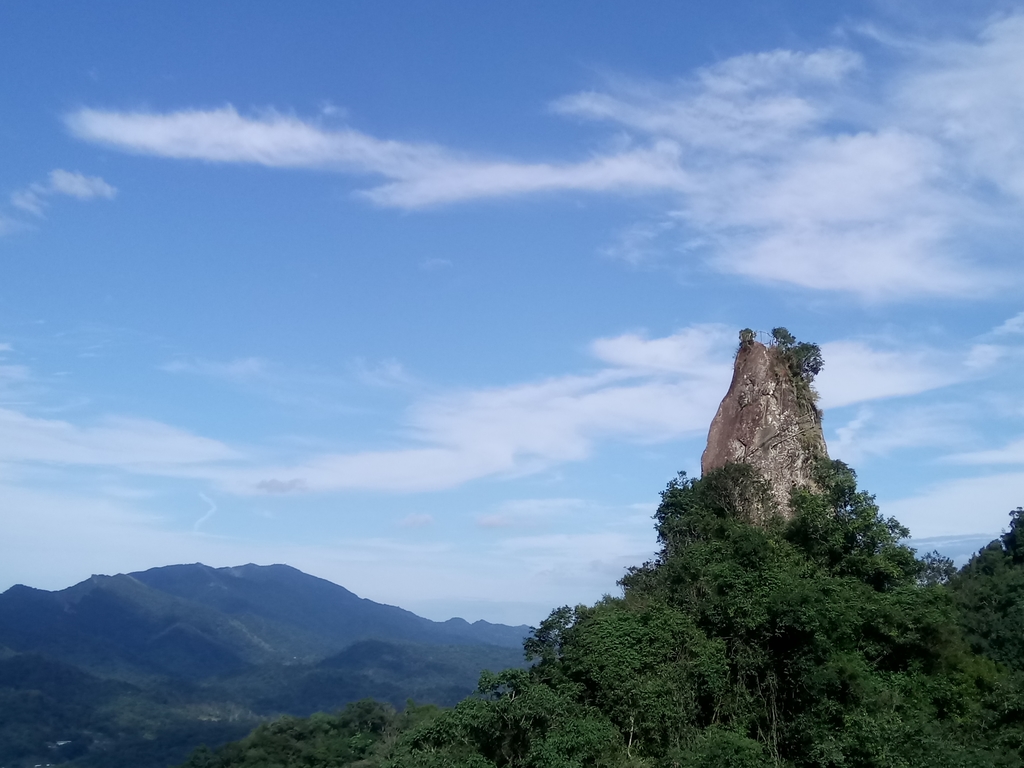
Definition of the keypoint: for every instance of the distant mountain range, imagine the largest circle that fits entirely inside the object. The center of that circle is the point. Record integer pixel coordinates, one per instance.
(137, 669)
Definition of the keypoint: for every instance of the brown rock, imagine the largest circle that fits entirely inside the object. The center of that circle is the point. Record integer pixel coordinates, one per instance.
(769, 421)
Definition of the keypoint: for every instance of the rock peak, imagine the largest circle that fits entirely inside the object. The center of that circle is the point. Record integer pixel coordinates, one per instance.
(768, 419)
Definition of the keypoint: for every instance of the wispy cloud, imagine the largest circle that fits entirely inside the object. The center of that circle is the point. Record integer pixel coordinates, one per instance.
(643, 390)
(242, 368)
(211, 508)
(650, 390)
(14, 373)
(745, 105)
(420, 174)
(1011, 453)
(1015, 325)
(646, 390)
(381, 373)
(136, 444)
(643, 242)
(435, 264)
(673, 354)
(814, 169)
(79, 186)
(508, 431)
(857, 372)
(54, 538)
(574, 558)
(8, 225)
(526, 513)
(35, 198)
(777, 192)
(963, 505)
(969, 94)
(873, 433)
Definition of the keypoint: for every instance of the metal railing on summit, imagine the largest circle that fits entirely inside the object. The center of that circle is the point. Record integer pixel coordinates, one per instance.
(765, 337)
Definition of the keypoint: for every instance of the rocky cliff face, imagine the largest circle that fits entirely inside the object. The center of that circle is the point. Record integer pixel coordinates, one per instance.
(764, 421)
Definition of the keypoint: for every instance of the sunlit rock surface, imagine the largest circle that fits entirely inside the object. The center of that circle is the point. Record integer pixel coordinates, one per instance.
(765, 422)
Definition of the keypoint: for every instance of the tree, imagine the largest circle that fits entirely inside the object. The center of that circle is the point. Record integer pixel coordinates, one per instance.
(990, 594)
(817, 641)
(803, 358)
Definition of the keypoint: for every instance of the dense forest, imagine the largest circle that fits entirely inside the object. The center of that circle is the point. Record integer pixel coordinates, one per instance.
(137, 670)
(818, 640)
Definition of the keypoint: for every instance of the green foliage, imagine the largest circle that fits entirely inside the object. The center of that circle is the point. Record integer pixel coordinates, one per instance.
(803, 358)
(819, 641)
(389, 672)
(110, 724)
(990, 593)
(321, 741)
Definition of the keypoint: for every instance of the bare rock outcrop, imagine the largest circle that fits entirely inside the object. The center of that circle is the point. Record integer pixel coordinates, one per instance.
(767, 420)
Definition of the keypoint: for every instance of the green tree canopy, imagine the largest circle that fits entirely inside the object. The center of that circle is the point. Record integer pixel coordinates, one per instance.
(818, 641)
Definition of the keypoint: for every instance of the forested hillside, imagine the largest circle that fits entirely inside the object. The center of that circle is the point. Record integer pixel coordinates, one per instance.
(137, 670)
(820, 640)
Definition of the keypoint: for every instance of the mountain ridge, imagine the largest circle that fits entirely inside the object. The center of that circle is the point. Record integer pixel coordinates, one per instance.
(135, 670)
(192, 621)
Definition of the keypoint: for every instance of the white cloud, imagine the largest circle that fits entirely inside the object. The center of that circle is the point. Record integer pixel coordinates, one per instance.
(82, 187)
(653, 390)
(672, 354)
(855, 372)
(856, 212)
(8, 225)
(136, 444)
(1011, 453)
(435, 264)
(645, 390)
(241, 368)
(288, 386)
(971, 95)
(381, 373)
(983, 356)
(275, 486)
(14, 374)
(871, 433)
(507, 431)
(805, 168)
(745, 105)
(420, 174)
(644, 169)
(29, 200)
(525, 513)
(775, 192)
(1014, 325)
(211, 508)
(35, 198)
(956, 507)
(416, 520)
(272, 139)
(642, 242)
(594, 559)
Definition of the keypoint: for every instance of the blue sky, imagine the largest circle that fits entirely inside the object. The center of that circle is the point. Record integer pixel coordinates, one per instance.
(432, 301)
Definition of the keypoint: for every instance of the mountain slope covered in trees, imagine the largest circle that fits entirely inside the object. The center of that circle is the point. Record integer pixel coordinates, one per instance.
(193, 621)
(817, 641)
(137, 670)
